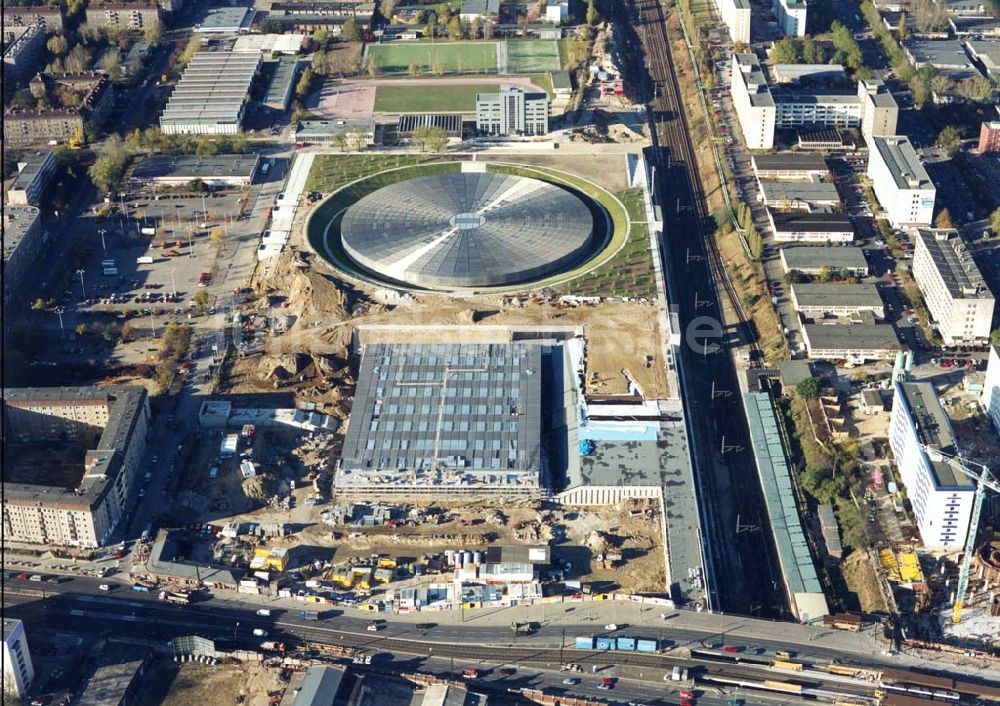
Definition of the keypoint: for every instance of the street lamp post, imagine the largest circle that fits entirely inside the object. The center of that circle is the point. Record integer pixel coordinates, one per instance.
(104, 245)
(82, 287)
(152, 326)
(59, 312)
(173, 284)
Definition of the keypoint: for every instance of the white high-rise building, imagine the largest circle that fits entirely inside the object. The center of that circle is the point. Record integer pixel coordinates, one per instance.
(879, 110)
(736, 15)
(902, 185)
(18, 672)
(940, 495)
(957, 297)
(791, 16)
(753, 102)
(991, 388)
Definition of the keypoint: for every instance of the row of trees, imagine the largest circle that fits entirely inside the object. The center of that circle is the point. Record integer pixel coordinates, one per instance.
(744, 217)
(154, 140)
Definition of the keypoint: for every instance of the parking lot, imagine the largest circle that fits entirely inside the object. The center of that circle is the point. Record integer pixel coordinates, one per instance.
(156, 257)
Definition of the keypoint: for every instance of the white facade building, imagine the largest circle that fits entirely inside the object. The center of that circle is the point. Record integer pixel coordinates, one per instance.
(791, 16)
(763, 109)
(512, 111)
(736, 15)
(753, 102)
(901, 183)
(957, 297)
(991, 387)
(941, 496)
(18, 671)
(879, 110)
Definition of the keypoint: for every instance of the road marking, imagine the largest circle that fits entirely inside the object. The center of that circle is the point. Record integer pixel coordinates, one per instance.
(78, 613)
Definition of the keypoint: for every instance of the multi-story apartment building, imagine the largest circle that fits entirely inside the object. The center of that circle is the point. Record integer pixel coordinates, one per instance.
(22, 243)
(991, 387)
(512, 111)
(18, 671)
(753, 102)
(957, 297)
(941, 496)
(34, 170)
(22, 48)
(989, 137)
(22, 128)
(879, 110)
(123, 15)
(75, 464)
(791, 16)
(808, 100)
(736, 15)
(901, 183)
(49, 17)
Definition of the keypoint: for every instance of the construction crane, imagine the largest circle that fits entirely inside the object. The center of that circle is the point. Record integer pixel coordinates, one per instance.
(983, 481)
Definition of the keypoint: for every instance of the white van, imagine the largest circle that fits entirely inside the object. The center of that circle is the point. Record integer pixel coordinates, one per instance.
(263, 612)
(259, 633)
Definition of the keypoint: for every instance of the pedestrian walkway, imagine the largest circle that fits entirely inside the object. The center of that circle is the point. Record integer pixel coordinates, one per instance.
(502, 58)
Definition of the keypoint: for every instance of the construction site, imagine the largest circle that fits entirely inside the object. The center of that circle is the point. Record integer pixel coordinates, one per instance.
(563, 439)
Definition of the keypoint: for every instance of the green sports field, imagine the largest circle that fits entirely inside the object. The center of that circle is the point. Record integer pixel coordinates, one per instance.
(430, 99)
(435, 57)
(529, 56)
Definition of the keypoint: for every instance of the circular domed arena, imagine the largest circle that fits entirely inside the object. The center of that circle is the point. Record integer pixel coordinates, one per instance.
(467, 230)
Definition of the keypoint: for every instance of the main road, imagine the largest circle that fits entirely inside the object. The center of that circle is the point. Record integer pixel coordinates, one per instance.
(747, 579)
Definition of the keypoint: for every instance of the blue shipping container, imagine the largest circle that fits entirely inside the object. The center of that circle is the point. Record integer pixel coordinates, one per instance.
(645, 645)
(606, 643)
(584, 643)
(626, 643)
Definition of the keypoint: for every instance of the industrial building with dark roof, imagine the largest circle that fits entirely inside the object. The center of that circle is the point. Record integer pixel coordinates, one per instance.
(445, 418)
(467, 230)
(218, 170)
(812, 260)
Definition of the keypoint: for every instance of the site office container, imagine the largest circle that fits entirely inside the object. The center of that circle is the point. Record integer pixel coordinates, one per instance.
(606, 643)
(646, 645)
(626, 643)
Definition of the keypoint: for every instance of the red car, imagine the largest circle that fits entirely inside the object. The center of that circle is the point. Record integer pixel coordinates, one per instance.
(686, 702)
(687, 694)
(731, 649)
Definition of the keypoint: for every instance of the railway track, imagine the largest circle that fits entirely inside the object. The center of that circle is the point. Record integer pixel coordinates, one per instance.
(671, 136)
(745, 574)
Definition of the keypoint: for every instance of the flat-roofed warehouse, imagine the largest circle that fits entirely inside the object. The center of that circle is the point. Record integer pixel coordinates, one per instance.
(217, 170)
(797, 226)
(445, 419)
(851, 342)
(837, 299)
(211, 97)
(811, 260)
(789, 165)
(799, 195)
